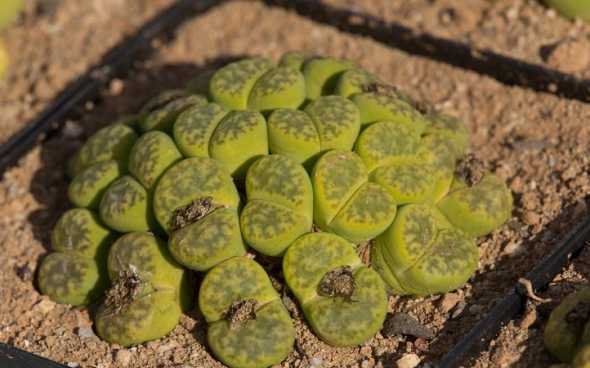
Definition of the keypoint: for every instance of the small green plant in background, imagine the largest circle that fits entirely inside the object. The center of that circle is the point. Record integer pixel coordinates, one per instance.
(9, 10)
(567, 333)
(572, 8)
(299, 162)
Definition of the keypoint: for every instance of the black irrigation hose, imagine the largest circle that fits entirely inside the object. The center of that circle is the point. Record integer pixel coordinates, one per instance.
(503, 68)
(513, 303)
(11, 357)
(117, 61)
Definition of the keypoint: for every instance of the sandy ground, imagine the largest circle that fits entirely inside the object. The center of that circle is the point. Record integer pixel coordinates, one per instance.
(537, 142)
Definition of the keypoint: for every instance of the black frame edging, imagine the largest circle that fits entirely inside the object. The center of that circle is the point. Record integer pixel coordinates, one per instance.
(115, 62)
(11, 357)
(503, 68)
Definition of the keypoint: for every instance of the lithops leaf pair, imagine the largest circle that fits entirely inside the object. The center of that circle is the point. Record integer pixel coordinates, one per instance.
(248, 325)
(234, 138)
(329, 122)
(422, 253)
(480, 208)
(280, 204)
(75, 273)
(196, 202)
(343, 300)
(148, 293)
(161, 111)
(567, 331)
(345, 202)
(113, 142)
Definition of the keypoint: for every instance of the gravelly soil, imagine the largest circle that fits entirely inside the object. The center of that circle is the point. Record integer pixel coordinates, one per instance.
(537, 142)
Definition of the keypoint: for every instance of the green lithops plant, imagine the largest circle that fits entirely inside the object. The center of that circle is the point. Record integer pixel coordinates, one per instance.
(281, 87)
(110, 143)
(293, 133)
(321, 75)
(354, 81)
(194, 128)
(151, 155)
(582, 358)
(345, 202)
(231, 85)
(480, 208)
(571, 8)
(238, 140)
(9, 10)
(196, 202)
(126, 206)
(148, 293)
(248, 325)
(421, 253)
(75, 273)
(337, 121)
(280, 204)
(343, 300)
(262, 155)
(293, 59)
(161, 112)
(567, 330)
(88, 187)
(376, 106)
(190, 180)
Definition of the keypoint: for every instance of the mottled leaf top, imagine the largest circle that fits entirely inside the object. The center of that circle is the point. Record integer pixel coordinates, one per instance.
(321, 75)
(209, 241)
(231, 85)
(337, 122)
(125, 206)
(87, 188)
(189, 180)
(238, 278)
(195, 126)
(151, 155)
(79, 232)
(109, 143)
(281, 87)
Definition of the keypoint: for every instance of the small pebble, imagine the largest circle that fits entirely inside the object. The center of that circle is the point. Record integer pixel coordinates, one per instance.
(85, 332)
(531, 218)
(123, 357)
(316, 362)
(404, 324)
(421, 344)
(513, 248)
(73, 365)
(168, 346)
(410, 360)
(570, 55)
(458, 309)
(45, 306)
(72, 130)
(449, 301)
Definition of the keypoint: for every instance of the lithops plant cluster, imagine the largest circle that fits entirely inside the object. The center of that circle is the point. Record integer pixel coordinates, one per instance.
(567, 333)
(302, 160)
